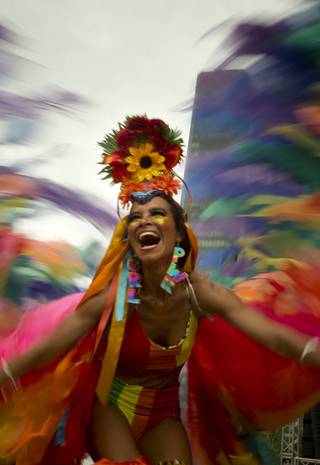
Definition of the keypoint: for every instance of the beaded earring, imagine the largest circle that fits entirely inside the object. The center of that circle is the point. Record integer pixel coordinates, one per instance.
(173, 274)
(134, 281)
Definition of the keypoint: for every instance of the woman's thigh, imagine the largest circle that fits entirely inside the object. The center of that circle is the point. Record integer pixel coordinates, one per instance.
(166, 441)
(110, 435)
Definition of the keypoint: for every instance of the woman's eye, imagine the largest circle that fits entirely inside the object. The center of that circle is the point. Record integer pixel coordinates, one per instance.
(133, 219)
(158, 213)
(159, 216)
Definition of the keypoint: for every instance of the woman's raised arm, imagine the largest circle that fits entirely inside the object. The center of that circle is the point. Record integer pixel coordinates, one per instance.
(216, 299)
(63, 338)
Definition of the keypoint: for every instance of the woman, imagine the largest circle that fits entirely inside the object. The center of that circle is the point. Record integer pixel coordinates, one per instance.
(114, 363)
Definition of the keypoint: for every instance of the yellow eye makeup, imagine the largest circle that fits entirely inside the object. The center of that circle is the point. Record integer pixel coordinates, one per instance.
(158, 215)
(159, 218)
(133, 220)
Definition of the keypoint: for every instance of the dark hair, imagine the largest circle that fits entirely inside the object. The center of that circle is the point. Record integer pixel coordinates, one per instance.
(178, 214)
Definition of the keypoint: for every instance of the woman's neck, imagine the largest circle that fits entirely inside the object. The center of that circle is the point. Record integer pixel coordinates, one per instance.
(152, 278)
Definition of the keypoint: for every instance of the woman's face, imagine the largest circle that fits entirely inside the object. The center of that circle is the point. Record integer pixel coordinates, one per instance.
(152, 232)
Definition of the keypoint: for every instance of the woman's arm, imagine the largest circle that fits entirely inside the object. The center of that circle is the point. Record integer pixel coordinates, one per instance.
(214, 298)
(63, 338)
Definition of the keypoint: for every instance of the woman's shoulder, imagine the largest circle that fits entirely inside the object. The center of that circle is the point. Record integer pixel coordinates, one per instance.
(191, 282)
(197, 284)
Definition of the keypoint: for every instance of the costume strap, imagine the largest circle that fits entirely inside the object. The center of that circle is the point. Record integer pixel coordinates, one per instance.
(107, 310)
(192, 256)
(116, 333)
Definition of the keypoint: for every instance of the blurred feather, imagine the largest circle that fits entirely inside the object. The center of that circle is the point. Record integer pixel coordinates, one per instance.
(33, 271)
(255, 144)
(76, 202)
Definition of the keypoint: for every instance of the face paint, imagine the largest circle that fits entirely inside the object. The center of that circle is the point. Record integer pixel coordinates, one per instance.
(156, 218)
(160, 219)
(133, 222)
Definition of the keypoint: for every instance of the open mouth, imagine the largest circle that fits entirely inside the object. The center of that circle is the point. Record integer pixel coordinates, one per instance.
(148, 240)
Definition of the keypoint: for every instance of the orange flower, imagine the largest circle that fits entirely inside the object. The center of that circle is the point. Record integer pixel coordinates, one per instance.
(127, 188)
(167, 183)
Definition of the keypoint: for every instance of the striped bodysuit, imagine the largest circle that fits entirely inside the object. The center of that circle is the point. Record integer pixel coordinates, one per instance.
(140, 357)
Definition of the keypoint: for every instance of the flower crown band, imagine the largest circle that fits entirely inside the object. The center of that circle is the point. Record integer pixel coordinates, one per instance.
(140, 155)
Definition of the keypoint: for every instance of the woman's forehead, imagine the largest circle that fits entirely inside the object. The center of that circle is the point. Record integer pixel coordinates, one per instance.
(153, 203)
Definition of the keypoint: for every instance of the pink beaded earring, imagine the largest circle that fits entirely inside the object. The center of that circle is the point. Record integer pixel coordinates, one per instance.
(134, 281)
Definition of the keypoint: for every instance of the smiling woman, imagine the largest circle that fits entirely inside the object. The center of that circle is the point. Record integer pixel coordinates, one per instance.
(152, 229)
(128, 337)
(162, 209)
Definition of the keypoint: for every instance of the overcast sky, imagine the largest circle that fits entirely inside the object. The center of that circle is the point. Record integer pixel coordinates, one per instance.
(122, 57)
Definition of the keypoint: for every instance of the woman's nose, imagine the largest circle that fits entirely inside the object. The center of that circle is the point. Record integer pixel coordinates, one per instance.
(145, 220)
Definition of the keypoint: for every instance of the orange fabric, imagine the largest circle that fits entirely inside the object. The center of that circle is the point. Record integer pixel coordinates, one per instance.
(115, 253)
(25, 430)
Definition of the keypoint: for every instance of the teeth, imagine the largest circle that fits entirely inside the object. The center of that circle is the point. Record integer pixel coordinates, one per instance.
(148, 233)
(147, 247)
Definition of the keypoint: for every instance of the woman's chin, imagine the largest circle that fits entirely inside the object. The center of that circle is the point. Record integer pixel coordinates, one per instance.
(149, 258)
(154, 256)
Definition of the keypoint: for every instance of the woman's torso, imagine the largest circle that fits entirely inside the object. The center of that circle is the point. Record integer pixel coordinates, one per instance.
(158, 340)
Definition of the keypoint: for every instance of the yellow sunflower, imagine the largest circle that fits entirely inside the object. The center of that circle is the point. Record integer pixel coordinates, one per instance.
(144, 163)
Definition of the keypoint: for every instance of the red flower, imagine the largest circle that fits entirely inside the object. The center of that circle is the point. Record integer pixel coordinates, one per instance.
(119, 172)
(159, 143)
(172, 155)
(115, 157)
(118, 165)
(156, 127)
(157, 122)
(154, 131)
(137, 123)
(124, 139)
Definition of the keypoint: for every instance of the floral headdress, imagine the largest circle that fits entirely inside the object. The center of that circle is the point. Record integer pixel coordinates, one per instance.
(141, 155)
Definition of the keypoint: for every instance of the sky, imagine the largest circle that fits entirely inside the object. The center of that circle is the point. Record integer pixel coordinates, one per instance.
(121, 57)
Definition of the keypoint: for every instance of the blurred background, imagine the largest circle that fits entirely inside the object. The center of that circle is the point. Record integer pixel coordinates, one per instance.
(70, 70)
